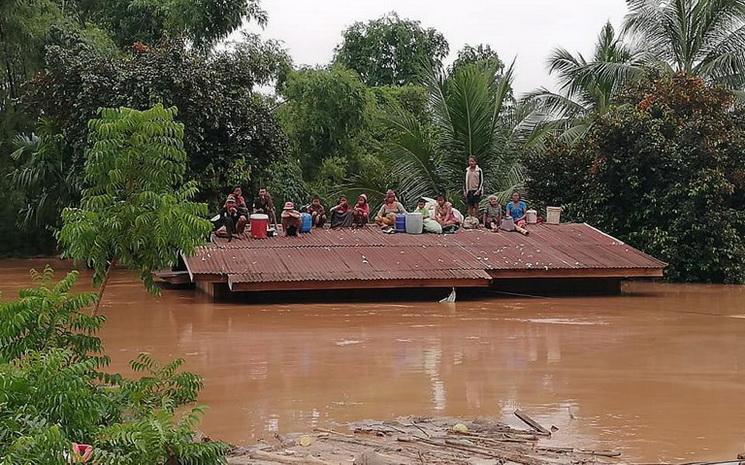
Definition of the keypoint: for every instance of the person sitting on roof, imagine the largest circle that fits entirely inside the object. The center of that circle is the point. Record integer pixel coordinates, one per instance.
(386, 217)
(317, 212)
(444, 215)
(517, 209)
(493, 214)
(429, 225)
(263, 204)
(240, 201)
(290, 219)
(361, 212)
(341, 214)
(231, 222)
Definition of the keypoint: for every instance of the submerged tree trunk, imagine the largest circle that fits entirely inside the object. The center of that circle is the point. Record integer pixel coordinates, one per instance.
(102, 289)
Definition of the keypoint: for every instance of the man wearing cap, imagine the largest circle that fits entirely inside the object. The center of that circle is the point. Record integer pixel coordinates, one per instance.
(233, 222)
(290, 219)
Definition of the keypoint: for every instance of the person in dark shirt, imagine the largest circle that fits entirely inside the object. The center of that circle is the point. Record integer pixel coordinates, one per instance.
(341, 214)
(232, 222)
(264, 204)
(317, 212)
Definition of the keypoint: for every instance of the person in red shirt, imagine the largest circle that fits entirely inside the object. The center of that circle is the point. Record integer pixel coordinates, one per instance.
(240, 201)
(361, 211)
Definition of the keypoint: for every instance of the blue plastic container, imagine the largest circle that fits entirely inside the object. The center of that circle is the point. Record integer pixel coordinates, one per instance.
(306, 222)
(401, 223)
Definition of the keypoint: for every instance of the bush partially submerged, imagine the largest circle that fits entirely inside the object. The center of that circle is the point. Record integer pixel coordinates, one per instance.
(53, 390)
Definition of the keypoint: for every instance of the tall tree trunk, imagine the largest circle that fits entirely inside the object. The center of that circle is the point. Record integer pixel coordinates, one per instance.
(102, 289)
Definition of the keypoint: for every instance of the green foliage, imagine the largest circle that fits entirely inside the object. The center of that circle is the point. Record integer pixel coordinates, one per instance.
(45, 173)
(162, 387)
(471, 115)
(412, 98)
(586, 87)
(203, 22)
(481, 54)
(53, 393)
(49, 316)
(326, 110)
(135, 210)
(390, 50)
(664, 172)
(232, 136)
(705, 38)
(159, 439)
(286, 183)
(23, 25)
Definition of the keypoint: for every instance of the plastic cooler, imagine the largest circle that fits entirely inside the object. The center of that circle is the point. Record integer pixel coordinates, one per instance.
(531, 217)
(259, 225)
(306, 222)
(401, 223)
(414, 223)
(553, 215)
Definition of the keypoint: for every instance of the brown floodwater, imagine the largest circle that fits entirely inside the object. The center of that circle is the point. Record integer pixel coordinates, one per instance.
(658, 372)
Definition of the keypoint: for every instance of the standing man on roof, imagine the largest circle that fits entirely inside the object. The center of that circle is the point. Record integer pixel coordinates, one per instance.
(473, 187)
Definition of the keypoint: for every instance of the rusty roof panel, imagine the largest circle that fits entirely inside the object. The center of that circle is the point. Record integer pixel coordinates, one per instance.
(368, 254)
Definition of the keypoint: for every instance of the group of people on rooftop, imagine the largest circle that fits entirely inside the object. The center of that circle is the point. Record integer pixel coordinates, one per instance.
(437, 218)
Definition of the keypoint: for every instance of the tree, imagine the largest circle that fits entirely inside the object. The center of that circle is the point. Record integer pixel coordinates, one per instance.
(45, 172)
(203, 22)
(586, 86)
(471, 116)
(54, 391)
(232, 135)
(700, 37)
(324, 112)
(389, 50)
(135, 211)
(481, 54)
(663, 171)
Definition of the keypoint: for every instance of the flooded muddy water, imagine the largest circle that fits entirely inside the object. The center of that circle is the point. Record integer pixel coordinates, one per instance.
(658, 372)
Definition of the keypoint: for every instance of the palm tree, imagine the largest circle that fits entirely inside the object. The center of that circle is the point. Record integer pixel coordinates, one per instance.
(472, 114)
(700, 37)
(586, 87)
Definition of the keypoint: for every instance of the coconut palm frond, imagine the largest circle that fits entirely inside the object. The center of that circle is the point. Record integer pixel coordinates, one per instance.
(648, 21)
(512, 180)
(411, 156)
(471, 99)
(702, 37)
(558, 106)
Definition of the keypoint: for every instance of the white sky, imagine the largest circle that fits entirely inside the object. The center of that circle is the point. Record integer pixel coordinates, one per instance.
(527, 29)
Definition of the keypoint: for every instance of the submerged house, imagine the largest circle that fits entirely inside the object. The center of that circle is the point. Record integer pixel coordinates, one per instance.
(573, 258)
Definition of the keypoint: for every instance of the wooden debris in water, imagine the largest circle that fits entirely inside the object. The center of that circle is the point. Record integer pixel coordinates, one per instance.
(418, 441)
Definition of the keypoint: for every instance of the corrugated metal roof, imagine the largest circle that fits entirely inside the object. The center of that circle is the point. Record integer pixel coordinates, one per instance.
(368, 254)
